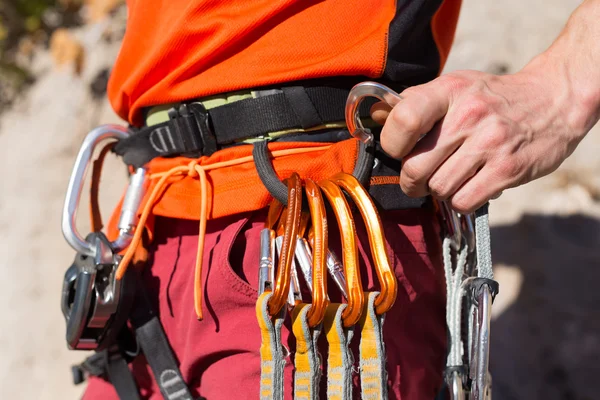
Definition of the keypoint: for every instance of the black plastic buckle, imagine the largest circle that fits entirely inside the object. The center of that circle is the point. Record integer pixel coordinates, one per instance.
(194, 128)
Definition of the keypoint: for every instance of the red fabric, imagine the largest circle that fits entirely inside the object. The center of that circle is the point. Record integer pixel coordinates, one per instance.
(219, 356)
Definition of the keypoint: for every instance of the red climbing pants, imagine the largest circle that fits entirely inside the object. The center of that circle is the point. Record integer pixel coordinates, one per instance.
(219, 356)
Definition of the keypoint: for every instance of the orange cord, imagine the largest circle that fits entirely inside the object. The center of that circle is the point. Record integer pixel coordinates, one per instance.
(193, 169)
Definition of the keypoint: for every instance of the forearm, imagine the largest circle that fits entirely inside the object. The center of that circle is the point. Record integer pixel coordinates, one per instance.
(572, 65)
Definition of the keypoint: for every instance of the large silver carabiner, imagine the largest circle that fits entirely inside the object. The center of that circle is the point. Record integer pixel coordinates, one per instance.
(131, 203)
(358, 93)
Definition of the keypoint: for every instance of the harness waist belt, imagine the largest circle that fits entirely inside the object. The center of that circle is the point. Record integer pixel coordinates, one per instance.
(195, 130)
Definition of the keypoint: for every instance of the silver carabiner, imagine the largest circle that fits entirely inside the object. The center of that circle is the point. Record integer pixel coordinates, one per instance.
(453, 225)
(130, 205)
(480, 361)
(266, 269)
(455, 386)
(357, 94)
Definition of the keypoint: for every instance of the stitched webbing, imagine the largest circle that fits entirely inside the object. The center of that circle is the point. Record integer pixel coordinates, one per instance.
(339, 360)
(483, 243)
(307, 373)
(272, 358)
(373, 374)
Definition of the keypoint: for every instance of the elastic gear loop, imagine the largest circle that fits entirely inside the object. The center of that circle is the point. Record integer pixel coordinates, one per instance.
(362, 169)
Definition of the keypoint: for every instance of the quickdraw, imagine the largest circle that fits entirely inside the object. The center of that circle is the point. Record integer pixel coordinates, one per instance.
(468, 271)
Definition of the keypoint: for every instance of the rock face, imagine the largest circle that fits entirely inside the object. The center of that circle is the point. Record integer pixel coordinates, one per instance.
(39, 139)
(545, 235)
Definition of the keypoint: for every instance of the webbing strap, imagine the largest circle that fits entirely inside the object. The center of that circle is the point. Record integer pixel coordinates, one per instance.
(340, 359)
(307, 373)
(112, 366)
(153, 342)
(120, 375)
(192, 129)
(272, 358)
(482, 242)
(373, 374)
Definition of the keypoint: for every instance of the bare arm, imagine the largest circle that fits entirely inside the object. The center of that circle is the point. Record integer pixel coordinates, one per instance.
(487, 133)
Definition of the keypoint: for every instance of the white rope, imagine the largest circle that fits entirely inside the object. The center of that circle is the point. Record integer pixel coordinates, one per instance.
(454, 293)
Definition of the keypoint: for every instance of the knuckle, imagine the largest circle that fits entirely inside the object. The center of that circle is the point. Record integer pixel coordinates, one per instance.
(475, 109)
(497, 134)
(511, 169)
(455, 80)
(407, 119)
(412, 178)
(439, 188)
(412, 172)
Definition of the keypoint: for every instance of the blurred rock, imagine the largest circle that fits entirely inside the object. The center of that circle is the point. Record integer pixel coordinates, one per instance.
(97, 10)
(66, 50)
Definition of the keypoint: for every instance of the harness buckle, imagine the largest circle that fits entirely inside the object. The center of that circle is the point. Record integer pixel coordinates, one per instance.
(195, 119)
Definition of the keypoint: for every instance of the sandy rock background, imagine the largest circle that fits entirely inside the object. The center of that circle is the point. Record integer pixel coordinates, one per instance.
(546, 235)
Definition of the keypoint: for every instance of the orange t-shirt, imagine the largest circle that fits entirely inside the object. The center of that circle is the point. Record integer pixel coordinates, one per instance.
(177, 50)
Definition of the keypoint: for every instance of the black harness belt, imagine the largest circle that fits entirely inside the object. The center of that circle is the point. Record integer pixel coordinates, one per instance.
(195, 131)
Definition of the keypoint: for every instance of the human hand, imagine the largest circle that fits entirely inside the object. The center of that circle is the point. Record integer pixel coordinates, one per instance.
(483, 133)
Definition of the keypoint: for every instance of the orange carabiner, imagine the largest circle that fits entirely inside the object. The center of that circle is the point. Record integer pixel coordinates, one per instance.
(292, 226)
(319, 254)
(387, 280)
(275, 210)
(356, 295)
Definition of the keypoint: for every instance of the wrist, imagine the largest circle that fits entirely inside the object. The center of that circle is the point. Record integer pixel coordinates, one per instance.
(573, 86)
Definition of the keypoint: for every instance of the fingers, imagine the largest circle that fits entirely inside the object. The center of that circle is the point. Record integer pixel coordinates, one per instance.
(477, 191)
(415, 115)
(454, 172)
(427, 156)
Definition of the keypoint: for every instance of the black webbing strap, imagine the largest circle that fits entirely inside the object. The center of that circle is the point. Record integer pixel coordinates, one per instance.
(193, 130)
(112, 363)
(155, 346)
(121, 377)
